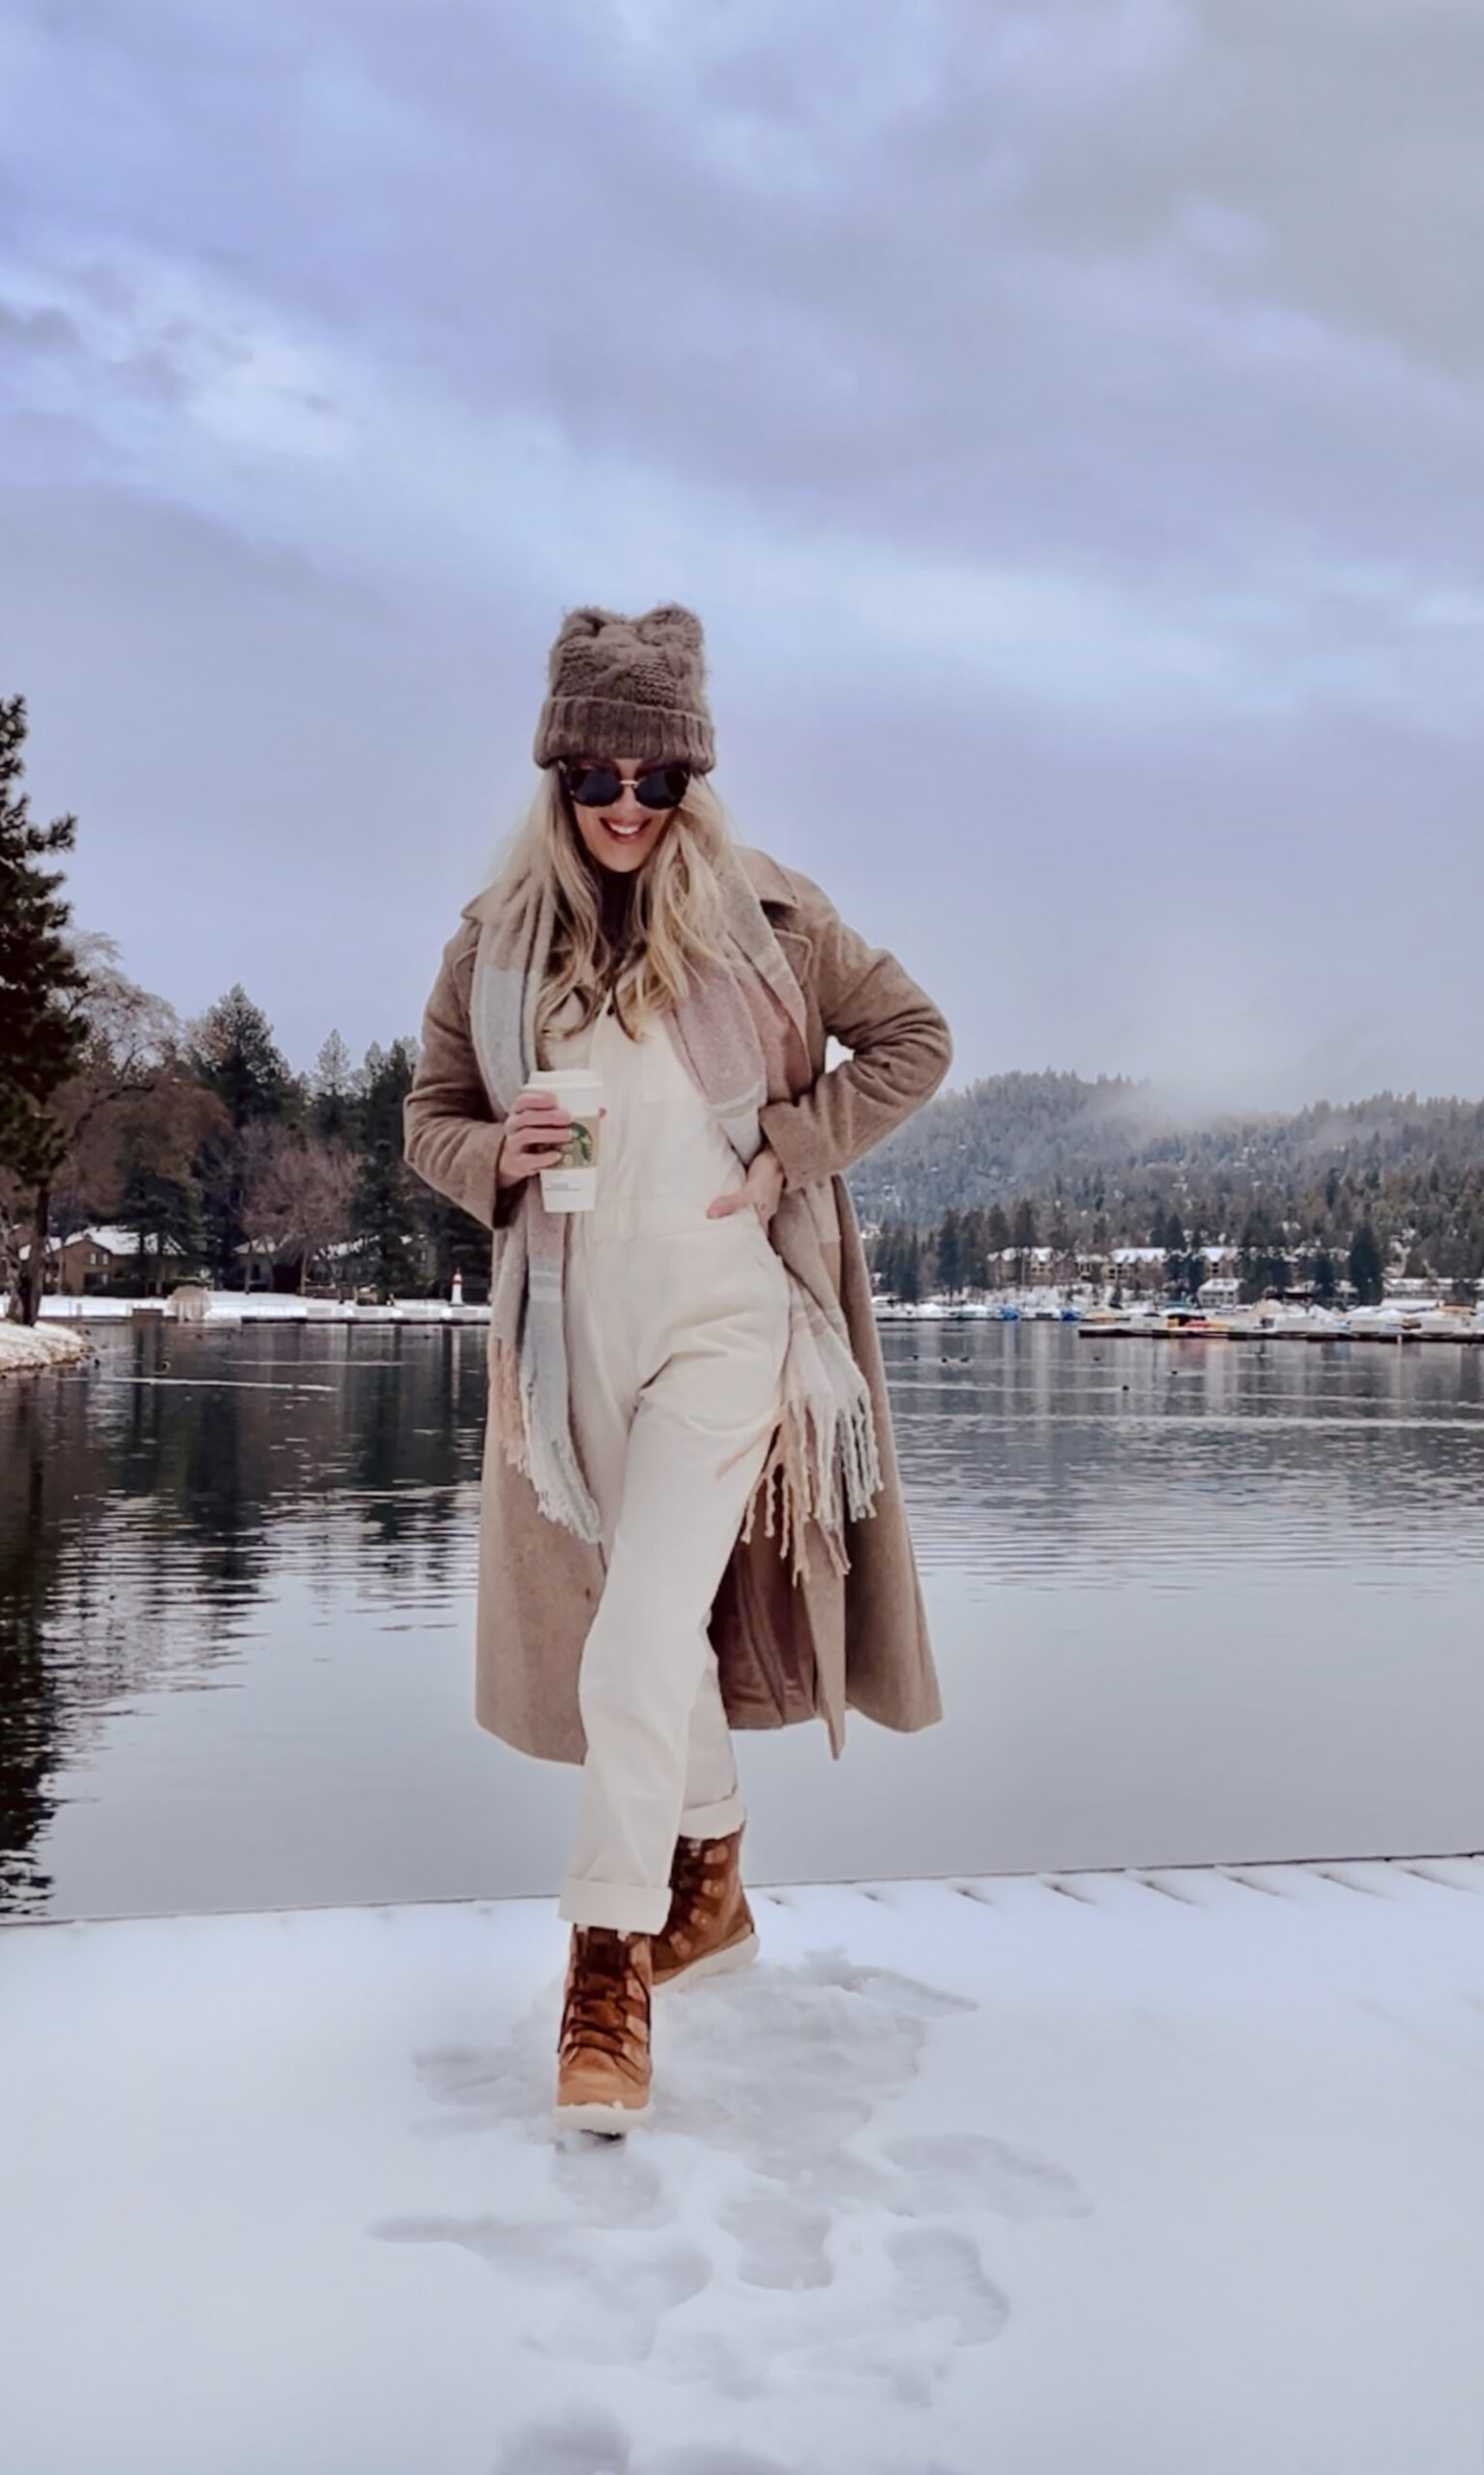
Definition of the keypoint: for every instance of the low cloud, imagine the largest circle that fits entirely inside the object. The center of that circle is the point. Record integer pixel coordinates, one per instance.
(1065, 417)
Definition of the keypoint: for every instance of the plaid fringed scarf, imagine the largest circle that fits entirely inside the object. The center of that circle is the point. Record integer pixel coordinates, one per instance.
(741, 1032)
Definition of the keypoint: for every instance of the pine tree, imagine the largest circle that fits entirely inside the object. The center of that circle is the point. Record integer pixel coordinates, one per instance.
(997, 1239)
(42, 1031)
(909, 1268)
(1023, 1238)
(333, 1085)
(1366, 1270)
(975, 1257)
(949, 1248)
(897, 1258)
(232, 1055)
(167, 1209)
(385, 1212)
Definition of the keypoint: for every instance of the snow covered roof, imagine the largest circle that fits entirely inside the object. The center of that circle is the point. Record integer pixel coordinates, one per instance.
(110, 1239)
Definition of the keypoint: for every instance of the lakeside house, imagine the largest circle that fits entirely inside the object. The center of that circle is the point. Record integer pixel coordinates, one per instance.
(102, 1257)
(109, 1261)
(1221, 1290)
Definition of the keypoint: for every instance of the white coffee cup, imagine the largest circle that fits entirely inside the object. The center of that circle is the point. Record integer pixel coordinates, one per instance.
(572, 1186)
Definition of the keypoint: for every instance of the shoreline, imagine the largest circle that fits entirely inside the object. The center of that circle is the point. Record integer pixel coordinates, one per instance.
(1396, 1321)
(57, 1339)
(35, 1348)
(227, 1308)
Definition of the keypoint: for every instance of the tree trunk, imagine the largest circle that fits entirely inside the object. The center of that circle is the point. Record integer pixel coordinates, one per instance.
(33, 1279)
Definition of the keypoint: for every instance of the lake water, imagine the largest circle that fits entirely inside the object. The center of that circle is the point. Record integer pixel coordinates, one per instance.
(1191, 1604)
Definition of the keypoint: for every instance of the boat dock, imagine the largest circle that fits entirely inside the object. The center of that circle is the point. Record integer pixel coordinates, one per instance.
(1393, 1321)
(1382, 1324)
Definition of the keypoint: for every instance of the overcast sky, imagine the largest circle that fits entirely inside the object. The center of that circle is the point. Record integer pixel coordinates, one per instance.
(1064, 417)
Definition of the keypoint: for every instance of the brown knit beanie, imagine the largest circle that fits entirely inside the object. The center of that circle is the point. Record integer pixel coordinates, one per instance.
(628, 687)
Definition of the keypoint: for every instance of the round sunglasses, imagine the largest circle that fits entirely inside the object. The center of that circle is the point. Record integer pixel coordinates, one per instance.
(601, 786)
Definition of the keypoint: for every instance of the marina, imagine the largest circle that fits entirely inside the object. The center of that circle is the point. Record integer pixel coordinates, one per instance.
(1391, 1323)
(1387, 1323)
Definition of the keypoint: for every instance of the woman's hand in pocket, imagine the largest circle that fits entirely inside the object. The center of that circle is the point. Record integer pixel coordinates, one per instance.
(759, 1191)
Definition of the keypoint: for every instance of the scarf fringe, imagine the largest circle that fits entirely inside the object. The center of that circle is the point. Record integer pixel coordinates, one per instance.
(561, 1490)
(823, 1467)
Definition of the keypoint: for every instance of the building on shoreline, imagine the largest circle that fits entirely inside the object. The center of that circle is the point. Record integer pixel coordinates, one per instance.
(103, 1258)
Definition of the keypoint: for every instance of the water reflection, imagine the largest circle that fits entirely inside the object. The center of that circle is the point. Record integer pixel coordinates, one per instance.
(285, 1516)
(1035, 1456)
(146, 1509)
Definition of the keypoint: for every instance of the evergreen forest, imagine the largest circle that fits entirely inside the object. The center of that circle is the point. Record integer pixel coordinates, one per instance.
(197, 1138)
(1025, 1176)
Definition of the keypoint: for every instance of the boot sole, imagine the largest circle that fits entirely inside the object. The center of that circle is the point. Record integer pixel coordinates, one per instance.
(610, 2122)
(735, 1955)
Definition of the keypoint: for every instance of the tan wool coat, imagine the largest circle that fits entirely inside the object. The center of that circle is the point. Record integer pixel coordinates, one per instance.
(787, 1649)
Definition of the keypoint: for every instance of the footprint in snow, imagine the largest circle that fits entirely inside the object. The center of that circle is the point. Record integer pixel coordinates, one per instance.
(711, 2461)
(778, 2243)
(948, 2171)
(611, 2183)
(783, 2065)
(942, 2278)
(780, 2064)
(772, 2076)
(484, 2088)
(583, 2444)
(579, 2444)
(602, 2303)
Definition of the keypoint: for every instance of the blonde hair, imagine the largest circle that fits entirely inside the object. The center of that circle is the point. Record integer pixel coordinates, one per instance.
(675, 919)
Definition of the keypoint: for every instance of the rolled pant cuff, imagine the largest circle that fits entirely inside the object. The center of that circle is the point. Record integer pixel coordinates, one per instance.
(625, 1907)
(712, 1821)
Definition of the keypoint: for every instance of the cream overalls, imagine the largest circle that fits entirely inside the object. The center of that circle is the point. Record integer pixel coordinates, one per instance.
(676, 1332)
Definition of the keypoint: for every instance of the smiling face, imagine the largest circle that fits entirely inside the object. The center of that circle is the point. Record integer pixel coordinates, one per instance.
(620, 835)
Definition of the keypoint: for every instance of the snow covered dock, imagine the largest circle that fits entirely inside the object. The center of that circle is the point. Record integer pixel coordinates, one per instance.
(1180, 2173)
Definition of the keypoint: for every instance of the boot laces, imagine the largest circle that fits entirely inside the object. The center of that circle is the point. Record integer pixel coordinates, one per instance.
(606, 2004)
(691, 1873)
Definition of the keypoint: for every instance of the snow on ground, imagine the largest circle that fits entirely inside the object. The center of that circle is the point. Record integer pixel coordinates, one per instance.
(29, 1348)
(1179, 2174)
(228, 1307)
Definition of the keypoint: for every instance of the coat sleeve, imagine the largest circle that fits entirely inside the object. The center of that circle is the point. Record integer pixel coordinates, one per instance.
(450, 1133)
(901, 1049)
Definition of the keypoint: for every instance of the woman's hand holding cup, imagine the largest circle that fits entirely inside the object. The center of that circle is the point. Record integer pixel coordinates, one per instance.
(536, 1132)
(553, 1130)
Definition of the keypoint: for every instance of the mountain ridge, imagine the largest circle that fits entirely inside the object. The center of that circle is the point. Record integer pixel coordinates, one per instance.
(1118, 1163)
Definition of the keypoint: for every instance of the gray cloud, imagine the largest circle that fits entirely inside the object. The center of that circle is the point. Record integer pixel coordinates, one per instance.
(1065, 415)
(44, 331)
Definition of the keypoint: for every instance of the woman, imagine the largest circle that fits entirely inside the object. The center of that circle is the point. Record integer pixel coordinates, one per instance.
(690, 1517)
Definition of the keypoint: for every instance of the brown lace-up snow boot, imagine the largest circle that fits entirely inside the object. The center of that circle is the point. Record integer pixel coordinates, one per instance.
(710, 1926)
(604, 2048)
